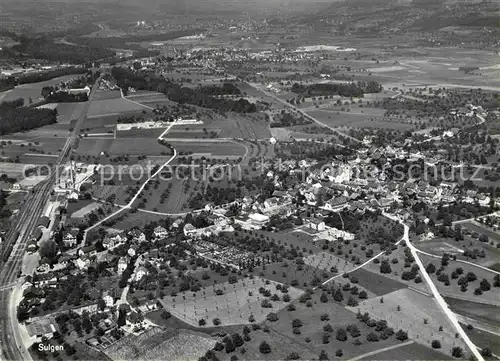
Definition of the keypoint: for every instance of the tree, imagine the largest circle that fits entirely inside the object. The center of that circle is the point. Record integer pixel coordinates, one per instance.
(352, 302)
(293, 356)
(229, 345)
(339, 353)
(337, 296)
(401, 335)
(486, 352)
(323, 298)
(353, 330)
(341, 335)
(296, 322)
(323, 356)
(436, 344)
(101, 304)
(264, 348)
(48, 250)
(372, 337)
(202, 322)
(363, 295)
(430, 268)
(272, 317)
(485, 285)
(166, 315)
(237, 340)
(457, 352)
(385, 267)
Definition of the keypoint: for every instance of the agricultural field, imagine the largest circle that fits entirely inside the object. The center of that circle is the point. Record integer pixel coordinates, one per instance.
(179, 192)
(33, 90)
(417, 314)
(35, 150)
(106, 94)
(326, 261)
(209, 149)
(314, 329)
(358, 120)
(149, 99)
(128, 220)
(288, 273)
(281, 347)
(376, 283)
(475, 310)
(133, 147)
(484, 339)
(69, 112)
(156, 344)
(414, 351)
(113, 107)
(233, 125)
(235, 304)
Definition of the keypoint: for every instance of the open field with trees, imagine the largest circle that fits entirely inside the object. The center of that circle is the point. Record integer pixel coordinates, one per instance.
(461, 280)
(230, 303)
(317, 321)
(419, 315)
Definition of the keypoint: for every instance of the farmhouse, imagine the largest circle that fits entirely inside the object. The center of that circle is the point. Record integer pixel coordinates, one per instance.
(78, 91)
(69, 239)
(317, 225)
(160, 232)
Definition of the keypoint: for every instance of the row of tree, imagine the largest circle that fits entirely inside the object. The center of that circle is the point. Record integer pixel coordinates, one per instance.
(347, 90)
(14, 117)
(202, 96)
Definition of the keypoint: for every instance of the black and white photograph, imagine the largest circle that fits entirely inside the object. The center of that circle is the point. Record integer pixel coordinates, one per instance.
(249, 180)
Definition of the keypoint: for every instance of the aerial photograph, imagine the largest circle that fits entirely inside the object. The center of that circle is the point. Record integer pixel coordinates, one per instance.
(204, 180)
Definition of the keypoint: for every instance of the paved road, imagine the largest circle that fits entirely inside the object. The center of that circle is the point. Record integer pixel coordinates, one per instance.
(10, 339)
(129, 204)
(439, 299)
(303, 113)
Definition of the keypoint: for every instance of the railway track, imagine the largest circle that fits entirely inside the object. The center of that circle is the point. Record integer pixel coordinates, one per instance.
(26, 223)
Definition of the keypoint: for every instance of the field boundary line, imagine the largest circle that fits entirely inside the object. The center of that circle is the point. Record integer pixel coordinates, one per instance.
(132, 101)
(439, 299)
(458, 260)
(381, 350)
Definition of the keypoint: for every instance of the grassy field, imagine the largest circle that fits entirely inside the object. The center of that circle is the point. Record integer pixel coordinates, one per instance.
(312, 328)
(415, 351)
(480, 311)
(234, 306)
(33, 90)
(106, 94)
(357, 120)
(419, 315)
(376, 283)
(68, 112)
(209, 149)
(290, 274)
(484, 339)
(326, 261)
(120, 146)
(113, 106)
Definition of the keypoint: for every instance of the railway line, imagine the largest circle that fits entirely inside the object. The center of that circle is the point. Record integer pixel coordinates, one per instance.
(25, 224)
